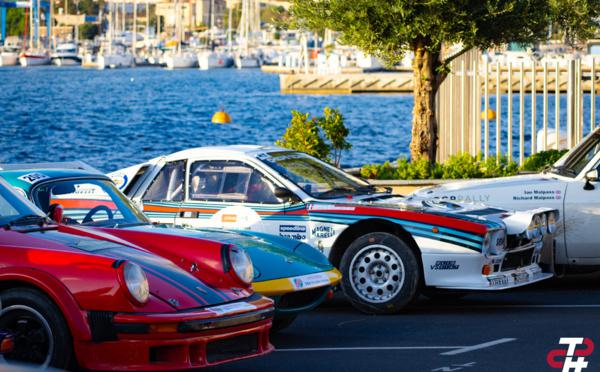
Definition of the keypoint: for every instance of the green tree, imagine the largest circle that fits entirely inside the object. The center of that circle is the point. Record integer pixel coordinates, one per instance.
(303, 134)
(390, 28)
(15, 21)
(336, 132)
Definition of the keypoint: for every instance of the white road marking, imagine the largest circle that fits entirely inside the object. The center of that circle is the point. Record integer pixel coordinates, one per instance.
(477, 307)
(479, 346)
(366, 348)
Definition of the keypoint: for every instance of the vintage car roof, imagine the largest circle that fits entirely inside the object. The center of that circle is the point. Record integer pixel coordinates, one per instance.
(247, 150)
(13, 176)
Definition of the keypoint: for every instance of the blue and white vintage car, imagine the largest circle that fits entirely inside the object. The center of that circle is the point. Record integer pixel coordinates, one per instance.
(388, 248)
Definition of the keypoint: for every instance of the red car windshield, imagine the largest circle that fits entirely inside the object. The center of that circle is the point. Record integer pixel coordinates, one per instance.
(92, 202)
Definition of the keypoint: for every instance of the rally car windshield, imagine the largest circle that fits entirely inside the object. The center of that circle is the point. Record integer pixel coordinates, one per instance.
(92, 202)
(16, 211)
(572, 163)
(315, 177)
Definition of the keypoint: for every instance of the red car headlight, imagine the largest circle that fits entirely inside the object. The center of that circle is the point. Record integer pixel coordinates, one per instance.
(135, 280)
(239, 264)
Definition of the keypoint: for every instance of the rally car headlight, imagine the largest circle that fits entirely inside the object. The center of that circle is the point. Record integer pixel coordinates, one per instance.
(241, 264)
(537, 225)
(551, 222)
(136, 282)
(495, 242)
(544, 223)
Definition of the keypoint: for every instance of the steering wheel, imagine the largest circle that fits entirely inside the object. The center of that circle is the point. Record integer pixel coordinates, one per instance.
(96, 209)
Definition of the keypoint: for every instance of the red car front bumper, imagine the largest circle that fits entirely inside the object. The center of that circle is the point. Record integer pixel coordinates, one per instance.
(154, 342)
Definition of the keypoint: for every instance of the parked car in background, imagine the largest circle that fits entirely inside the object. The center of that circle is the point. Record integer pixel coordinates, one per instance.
(570, 186)
(295, 275)
(388, 248)
(78, 298)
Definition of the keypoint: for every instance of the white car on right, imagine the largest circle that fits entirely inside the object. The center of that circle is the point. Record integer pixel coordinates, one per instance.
(571, 185)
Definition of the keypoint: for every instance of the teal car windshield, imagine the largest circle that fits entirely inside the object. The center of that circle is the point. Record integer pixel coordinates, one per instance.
(314, 177)
(92, 202)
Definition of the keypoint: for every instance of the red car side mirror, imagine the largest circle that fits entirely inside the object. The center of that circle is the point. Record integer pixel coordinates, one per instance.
(55, 212)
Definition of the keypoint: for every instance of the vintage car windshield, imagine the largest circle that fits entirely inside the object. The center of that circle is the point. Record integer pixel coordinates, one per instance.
(93, 202)
(13, 208)
(313, 176)
(575, 161)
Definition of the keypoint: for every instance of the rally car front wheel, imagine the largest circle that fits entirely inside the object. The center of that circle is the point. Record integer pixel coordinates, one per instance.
(41, 335)
(380, 273)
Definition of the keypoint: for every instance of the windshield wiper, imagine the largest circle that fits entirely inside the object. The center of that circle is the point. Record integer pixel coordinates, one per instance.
(338, 190)
(29, 219)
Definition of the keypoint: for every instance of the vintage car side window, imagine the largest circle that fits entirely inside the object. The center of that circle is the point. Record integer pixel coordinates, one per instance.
(232, 181)
(168, 184)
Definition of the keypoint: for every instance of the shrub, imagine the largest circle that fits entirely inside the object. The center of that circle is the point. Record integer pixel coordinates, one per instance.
(461, 166)
(318, 136)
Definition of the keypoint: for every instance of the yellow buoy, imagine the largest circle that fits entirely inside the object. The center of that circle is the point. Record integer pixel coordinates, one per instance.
(491, 114)
(221, 117)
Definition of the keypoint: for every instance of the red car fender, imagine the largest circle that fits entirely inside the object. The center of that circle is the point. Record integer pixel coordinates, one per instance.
(75, 317)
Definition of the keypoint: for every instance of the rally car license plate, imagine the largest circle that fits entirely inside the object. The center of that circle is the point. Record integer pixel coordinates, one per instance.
(496, 282)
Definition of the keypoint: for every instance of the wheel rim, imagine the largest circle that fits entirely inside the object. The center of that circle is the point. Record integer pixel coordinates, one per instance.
(377, 273)
(34, 343)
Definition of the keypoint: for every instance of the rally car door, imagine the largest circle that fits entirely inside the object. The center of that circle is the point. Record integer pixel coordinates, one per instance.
(231, 194)
(161, 199)
(582, 216)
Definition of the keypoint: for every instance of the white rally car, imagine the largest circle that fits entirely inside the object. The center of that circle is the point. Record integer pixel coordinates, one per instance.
(570, 185)
(388, 248)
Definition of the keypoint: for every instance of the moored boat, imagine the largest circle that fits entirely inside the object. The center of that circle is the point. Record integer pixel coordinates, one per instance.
(66, 55)
(34, 57)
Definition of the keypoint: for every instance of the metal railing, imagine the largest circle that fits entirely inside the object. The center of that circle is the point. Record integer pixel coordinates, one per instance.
(505, 108)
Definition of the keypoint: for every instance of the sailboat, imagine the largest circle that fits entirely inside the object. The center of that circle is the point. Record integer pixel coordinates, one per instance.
(179, 58)
(34, 56)
(9, 53)
(249, 26)
(113, 54)
(211, 58)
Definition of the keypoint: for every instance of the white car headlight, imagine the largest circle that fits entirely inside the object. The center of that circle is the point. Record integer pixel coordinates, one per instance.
(496, 243)
(136, 282)
(551, 222)
(241, 264)
(544, 223)
(537, 225)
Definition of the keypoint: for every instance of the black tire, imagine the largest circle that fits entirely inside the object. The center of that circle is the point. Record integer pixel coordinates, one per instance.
(282, 322)
(41, 333)
(380, 273)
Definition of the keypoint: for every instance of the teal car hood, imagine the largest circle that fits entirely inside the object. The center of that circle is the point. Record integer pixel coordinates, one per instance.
(273, 257)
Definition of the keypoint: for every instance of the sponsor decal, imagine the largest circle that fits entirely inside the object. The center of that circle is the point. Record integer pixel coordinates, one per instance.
(538, 195)
(292, 228)
(322, 232)
(231, 308)
(296, 232)
(310, 281)
(465, 198)
(573, 358)
(229, 218)
(329, 207)
(445, 265)
(521, 277)
(33, 177)
(120, 180)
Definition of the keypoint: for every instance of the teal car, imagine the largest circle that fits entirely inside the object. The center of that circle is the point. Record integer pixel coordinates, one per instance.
(295, 275)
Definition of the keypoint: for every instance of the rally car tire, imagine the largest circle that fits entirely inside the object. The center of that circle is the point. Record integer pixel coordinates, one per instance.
(40, 332)
(380, 273)
(282, 322)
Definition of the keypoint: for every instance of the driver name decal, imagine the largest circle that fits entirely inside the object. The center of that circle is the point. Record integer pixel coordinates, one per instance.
(539, 195)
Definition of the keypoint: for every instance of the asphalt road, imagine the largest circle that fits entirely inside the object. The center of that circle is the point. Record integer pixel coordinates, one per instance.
(501, 331)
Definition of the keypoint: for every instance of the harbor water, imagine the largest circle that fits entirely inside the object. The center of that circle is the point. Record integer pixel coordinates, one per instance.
(115, 118)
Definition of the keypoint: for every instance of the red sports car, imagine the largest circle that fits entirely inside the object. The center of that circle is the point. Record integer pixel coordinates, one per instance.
(78, 298)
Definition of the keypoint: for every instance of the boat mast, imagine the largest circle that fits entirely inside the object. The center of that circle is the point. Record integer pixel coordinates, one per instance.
(134, 33)
(37, 25)
(229, 30)
(31, 24)
(111, 25)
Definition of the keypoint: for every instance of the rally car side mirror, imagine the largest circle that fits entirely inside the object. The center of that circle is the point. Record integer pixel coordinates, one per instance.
(285, 194)
(591, 176)
(55, 212)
